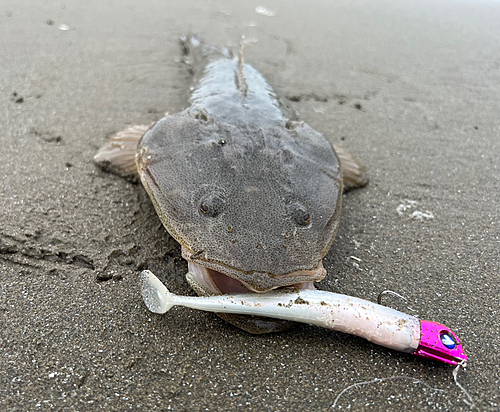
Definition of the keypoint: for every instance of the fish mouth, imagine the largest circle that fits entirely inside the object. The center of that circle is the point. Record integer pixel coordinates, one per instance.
(210, 278)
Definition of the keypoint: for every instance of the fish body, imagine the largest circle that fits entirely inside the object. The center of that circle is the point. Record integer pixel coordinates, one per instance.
(253, 195)
(247, 192)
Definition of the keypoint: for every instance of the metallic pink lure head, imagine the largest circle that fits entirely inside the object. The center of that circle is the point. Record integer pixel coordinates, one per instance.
(438, 342)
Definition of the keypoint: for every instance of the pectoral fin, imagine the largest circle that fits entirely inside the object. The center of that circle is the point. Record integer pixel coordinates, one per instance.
(353, 172)
(118, 153)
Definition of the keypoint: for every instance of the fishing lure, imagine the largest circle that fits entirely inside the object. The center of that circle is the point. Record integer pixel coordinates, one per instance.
(379, 324)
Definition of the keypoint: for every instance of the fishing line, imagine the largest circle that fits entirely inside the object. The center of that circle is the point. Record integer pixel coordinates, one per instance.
(469, 402)
(379, 380)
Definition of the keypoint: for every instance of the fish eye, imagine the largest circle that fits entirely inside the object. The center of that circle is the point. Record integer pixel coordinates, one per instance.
(211, 205)
(301, 215)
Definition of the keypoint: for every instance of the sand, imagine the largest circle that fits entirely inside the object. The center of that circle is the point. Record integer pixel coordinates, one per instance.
(411, 87)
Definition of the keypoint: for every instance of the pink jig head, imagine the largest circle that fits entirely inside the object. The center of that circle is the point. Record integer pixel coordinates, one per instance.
(438, 342)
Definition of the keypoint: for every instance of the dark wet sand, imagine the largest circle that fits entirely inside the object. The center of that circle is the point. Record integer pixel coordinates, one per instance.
(412, 88)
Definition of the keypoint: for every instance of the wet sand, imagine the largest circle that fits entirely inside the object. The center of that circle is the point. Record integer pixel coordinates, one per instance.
(412, 88)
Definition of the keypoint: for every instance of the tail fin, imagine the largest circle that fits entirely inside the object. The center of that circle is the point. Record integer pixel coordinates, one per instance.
(197, 54)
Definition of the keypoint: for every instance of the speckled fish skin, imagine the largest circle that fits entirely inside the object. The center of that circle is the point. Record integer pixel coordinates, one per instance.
(260, 171)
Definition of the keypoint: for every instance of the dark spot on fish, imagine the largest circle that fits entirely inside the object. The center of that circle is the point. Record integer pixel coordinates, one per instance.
(358, 106)
(201, 115)
(323, 303)
(300, 301)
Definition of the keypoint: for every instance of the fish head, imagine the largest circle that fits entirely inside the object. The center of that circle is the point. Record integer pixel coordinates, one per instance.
(254, 208)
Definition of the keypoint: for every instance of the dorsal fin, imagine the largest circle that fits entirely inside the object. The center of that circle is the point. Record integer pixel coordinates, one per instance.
(240, 78)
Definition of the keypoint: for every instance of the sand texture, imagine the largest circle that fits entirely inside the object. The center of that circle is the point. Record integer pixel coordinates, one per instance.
(411, 87)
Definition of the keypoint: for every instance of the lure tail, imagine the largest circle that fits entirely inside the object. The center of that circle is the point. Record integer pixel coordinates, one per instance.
(156, 296)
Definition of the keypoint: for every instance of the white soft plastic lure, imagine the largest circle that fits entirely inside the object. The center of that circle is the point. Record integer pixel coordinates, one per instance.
(376, 323)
